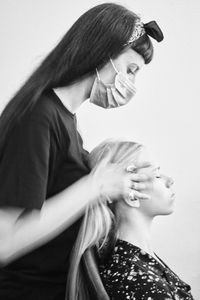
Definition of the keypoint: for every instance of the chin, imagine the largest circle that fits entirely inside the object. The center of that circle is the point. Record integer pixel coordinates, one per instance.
(165, 212)
(168, 211)
(170, 208)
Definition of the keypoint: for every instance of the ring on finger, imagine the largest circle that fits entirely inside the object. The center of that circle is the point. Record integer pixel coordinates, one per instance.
(132, 195)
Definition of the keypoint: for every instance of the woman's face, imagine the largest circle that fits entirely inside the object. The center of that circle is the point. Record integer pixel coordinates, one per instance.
(129, 62)
(159, 188)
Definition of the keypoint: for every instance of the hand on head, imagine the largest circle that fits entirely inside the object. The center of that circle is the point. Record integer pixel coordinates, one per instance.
(123, 170)
(113, 176)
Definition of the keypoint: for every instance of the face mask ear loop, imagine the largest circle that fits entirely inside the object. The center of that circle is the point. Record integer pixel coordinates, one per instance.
(114, 66)
(98, 76)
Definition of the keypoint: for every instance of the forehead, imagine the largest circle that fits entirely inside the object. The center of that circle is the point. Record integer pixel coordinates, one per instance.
(146, 157)
(129, 56)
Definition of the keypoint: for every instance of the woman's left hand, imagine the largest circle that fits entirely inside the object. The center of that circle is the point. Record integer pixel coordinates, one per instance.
(139, 181)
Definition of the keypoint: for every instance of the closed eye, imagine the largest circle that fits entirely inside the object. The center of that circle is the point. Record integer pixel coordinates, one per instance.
(132, 68)
(130, 71)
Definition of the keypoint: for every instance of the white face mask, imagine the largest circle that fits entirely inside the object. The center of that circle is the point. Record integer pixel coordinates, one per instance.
(112, 95)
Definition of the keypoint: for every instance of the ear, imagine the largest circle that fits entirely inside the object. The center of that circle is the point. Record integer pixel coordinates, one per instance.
(132, 203)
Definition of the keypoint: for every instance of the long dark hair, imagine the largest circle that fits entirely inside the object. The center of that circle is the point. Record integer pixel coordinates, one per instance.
(97, 35)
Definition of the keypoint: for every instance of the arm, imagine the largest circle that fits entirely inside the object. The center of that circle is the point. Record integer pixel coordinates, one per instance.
(26, 219)
(23, 178)
(21, 235)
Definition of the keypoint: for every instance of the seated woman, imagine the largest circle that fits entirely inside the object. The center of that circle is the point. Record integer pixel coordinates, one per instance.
(120, 231)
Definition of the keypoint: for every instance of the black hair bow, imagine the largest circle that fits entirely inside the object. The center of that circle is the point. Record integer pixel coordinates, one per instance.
(154, 31)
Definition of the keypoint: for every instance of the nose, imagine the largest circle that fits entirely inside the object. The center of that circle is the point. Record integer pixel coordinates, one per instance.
(169, 182)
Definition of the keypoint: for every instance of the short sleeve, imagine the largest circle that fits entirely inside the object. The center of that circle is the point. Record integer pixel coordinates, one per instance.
(24, 164)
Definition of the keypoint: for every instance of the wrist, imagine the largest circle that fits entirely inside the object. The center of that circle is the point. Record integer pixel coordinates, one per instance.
(94, 185)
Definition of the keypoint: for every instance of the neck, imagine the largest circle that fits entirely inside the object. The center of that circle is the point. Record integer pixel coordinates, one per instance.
(75, 94)
(137, 231)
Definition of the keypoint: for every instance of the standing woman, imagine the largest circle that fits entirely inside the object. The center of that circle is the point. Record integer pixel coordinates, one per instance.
(45, 180)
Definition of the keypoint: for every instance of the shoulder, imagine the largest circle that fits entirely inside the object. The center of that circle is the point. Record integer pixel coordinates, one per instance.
(44, 109)
(45, 114)
(34, 124)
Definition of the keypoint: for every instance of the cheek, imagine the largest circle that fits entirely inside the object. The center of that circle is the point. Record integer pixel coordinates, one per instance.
(107, 74)
(157, 189)
(159, 202)
(131, 77)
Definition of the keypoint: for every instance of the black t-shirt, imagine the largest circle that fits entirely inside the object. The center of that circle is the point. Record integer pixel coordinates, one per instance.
(42, 156)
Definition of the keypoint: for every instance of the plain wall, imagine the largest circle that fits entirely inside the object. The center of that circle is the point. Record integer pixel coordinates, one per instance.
(164, 115)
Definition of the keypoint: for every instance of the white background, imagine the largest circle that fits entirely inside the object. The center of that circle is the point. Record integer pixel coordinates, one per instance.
(164, 115)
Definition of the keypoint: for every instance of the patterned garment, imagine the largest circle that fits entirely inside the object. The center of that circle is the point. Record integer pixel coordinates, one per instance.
(132, 274)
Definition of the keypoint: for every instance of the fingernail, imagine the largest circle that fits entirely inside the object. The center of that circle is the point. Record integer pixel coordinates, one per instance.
(130, 168)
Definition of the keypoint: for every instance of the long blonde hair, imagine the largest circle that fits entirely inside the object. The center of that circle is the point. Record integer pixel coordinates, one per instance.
(99, 225)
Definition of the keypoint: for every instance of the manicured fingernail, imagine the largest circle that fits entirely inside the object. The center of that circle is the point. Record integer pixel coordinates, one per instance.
(130, 168)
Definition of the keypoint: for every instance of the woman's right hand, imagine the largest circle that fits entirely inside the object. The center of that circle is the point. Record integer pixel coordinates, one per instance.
(115, 181)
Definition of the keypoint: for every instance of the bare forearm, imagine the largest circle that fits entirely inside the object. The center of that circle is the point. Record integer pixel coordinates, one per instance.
(57, 214)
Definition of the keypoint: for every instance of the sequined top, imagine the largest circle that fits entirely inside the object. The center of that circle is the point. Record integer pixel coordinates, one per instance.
(132, 274)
